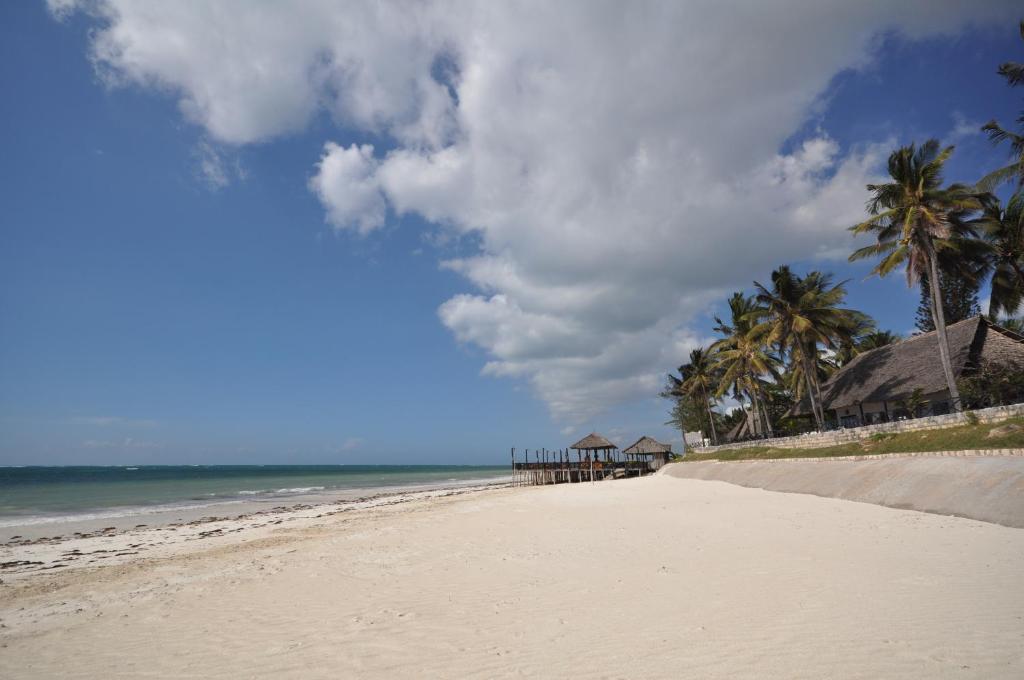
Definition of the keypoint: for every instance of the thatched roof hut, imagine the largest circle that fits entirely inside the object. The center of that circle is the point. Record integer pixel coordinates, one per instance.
(647, 446)
(891, 373)
(593, 442)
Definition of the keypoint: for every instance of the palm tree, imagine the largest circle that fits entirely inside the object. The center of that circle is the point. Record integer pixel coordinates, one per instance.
(852, 345)
(877, 339)
(914, 219)
(1003, 232)
(699, 380)
(1012, 324)
(743, 359)
(799, 314)
(1014, 74)
(796, 379)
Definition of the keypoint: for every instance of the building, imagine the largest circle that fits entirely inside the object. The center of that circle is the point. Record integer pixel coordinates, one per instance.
(874, 386)
(649, 448)
(694, 439)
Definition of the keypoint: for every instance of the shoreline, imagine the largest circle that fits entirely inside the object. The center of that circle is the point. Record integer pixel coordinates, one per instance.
(43, 525)
(85, 543)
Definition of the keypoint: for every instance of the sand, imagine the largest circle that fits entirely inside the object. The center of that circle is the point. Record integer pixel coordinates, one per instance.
(656, 577)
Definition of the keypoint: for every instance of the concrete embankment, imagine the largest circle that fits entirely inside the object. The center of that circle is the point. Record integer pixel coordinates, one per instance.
(990, 489)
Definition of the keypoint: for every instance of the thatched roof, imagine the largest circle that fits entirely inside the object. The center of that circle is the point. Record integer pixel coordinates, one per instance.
(740, 429)
(593, 441)
(893, 372)
(647, 446)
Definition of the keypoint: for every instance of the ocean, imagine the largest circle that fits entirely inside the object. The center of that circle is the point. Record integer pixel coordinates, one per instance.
(36, 495)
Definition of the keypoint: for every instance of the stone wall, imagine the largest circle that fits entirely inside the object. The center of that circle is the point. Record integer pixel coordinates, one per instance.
(982, 487)
(836, 437)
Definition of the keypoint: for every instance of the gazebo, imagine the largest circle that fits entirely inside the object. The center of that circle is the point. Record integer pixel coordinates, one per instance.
(648, 447)
(593, 445)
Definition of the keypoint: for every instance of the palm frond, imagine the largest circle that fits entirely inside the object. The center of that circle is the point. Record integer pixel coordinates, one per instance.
(1001, 176)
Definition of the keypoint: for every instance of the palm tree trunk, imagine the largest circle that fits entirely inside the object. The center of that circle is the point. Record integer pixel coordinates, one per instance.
(817, 391)
(810, 389)
(751, 415)
(764, 412)
(682, 433)
(759, 412)
(711, 418)
(754, 421)
(939, 316)
(682, 424)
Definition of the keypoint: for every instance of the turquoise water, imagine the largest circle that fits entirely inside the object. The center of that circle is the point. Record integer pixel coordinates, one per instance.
(68, 492)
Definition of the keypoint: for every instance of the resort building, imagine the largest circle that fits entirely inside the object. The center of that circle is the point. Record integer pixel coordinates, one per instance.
(874, 387)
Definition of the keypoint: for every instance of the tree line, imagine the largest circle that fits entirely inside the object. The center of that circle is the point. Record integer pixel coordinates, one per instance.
(780, 343)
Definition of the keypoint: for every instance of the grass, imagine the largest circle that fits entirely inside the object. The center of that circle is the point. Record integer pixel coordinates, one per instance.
(962, 437)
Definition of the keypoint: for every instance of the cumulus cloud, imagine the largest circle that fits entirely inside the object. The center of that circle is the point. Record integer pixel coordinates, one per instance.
(618, 163)
(346, 183)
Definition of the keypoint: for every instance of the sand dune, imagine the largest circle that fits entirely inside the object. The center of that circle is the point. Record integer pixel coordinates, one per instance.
(656, 577)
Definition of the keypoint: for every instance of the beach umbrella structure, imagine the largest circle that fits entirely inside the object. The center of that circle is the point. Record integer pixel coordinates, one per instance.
(648, 453)
(590, 447)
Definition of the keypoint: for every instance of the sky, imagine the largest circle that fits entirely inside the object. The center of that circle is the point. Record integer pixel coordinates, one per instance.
(320, 232)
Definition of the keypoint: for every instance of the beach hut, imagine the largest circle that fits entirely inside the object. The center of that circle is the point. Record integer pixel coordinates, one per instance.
(595, 456)
(649, 453)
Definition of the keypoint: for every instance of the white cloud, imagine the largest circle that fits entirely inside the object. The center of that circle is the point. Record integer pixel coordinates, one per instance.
(618, 163)
(347, 185)
(963, 129)
(214, 166)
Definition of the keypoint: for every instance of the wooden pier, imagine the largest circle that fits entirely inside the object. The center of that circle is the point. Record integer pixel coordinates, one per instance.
(591, 459)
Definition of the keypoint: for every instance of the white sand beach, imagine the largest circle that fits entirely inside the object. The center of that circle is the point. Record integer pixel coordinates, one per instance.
(645, 578)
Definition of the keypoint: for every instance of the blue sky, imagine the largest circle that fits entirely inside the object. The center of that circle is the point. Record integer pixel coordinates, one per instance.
(151, 311)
